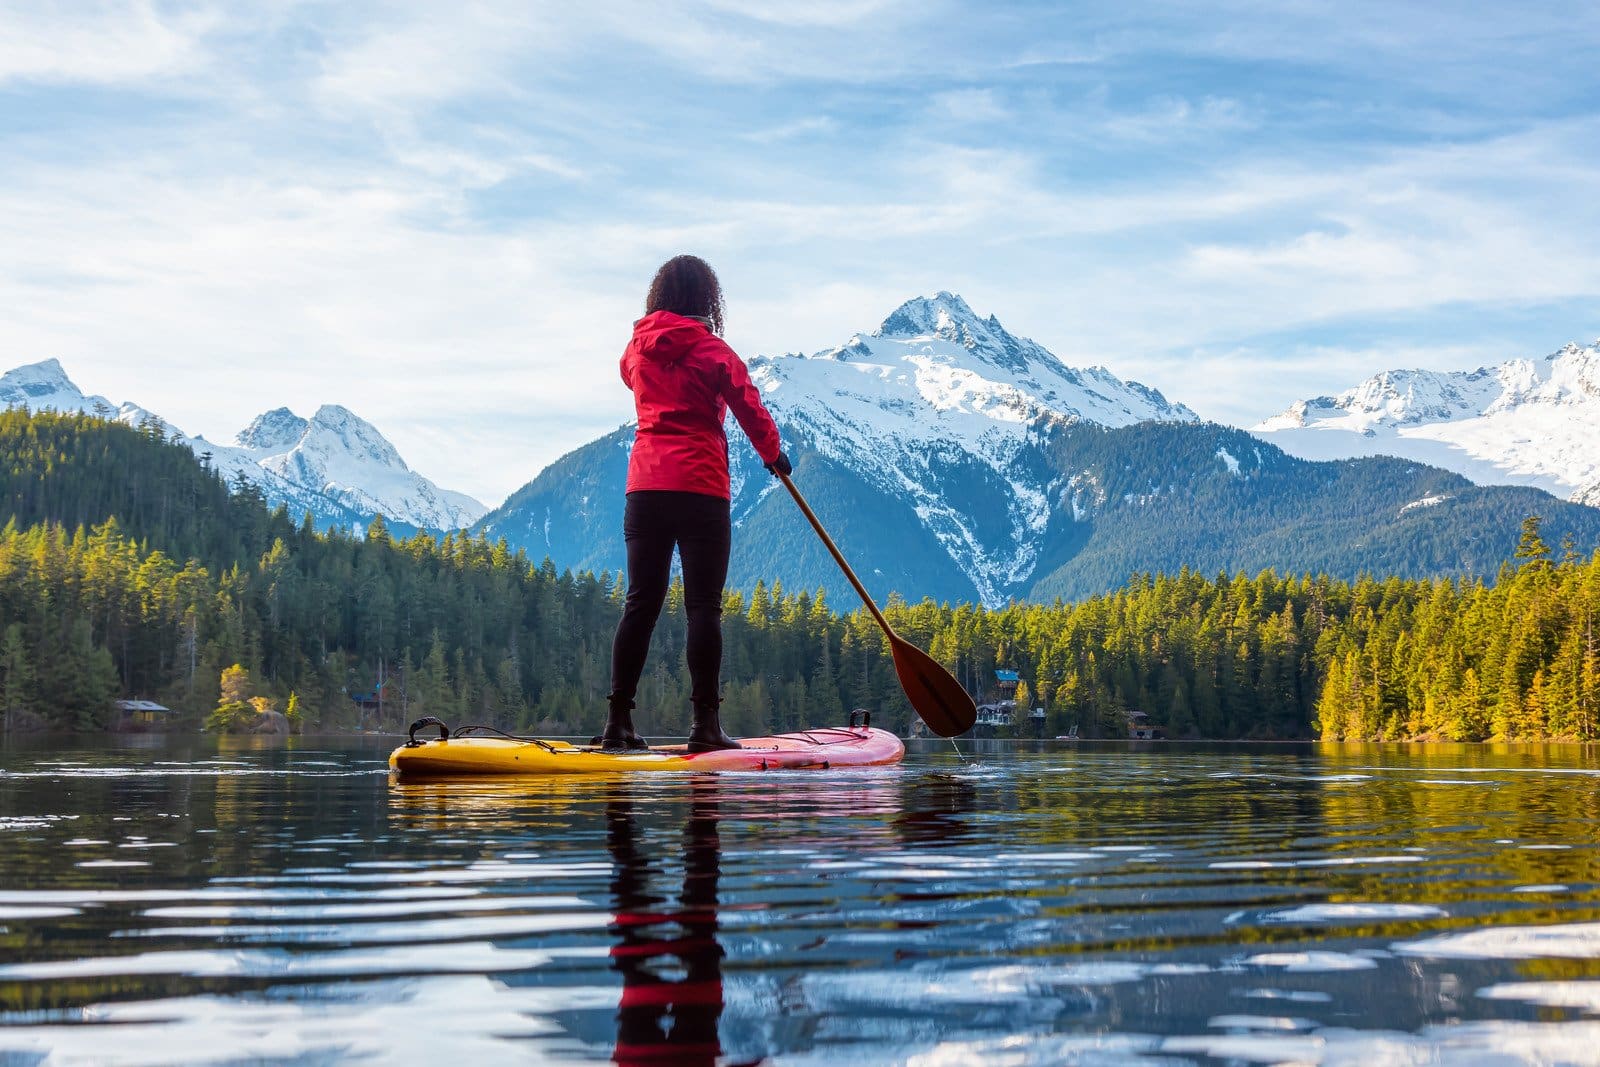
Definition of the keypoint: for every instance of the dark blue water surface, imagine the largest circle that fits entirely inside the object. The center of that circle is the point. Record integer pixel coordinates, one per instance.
(180, 900)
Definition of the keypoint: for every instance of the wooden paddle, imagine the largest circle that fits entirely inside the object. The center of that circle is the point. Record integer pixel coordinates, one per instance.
(937, 697)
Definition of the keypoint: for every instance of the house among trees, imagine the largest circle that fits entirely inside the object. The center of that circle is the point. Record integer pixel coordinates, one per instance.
(999, 713)
(142, 714)
(995, 715)
(1140, 728)
(370, 701)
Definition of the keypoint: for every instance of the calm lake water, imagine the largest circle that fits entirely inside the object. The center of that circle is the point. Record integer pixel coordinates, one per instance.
(168, 900)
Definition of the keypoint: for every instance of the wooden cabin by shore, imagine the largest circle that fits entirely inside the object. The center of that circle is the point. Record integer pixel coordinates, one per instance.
(1140, 728)
(141, 715)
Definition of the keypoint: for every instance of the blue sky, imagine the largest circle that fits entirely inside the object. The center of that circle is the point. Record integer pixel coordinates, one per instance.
(444, 216)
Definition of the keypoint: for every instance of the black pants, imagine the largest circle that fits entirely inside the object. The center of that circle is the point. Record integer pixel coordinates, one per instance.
(699, 526)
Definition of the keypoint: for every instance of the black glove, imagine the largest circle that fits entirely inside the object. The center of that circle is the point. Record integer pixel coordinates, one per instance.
(780, 466)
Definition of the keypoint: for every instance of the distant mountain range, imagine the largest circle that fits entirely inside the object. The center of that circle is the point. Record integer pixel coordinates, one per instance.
(1522, 422)
(953, 459)
(335, 465)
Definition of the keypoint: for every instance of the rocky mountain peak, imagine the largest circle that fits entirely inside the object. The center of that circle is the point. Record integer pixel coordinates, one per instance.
(272, 431)
(45, 385)
(944, 314)
(336, 428)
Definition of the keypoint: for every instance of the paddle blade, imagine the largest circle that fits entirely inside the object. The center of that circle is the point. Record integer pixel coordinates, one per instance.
(938, 698)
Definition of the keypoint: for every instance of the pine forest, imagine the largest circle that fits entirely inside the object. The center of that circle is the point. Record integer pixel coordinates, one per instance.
(127, 569)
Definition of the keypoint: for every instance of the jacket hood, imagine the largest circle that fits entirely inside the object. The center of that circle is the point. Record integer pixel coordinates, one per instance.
(667, 337)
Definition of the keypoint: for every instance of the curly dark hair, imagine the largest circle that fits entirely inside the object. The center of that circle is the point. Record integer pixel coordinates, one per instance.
(686, 285)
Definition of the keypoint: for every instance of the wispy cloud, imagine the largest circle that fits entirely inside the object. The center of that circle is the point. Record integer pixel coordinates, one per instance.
(811, 125)
(108, 42)
(969, 105)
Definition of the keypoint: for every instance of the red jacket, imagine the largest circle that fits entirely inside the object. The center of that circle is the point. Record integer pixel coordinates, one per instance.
(684, 380)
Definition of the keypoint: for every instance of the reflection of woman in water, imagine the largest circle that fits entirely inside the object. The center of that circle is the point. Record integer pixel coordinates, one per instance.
(665, 1019)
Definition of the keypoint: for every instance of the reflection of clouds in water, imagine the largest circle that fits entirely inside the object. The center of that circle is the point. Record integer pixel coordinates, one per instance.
(1311, 962)
(1298, 996)
(1481, 1042)
(278, 963)
(1564, 940)
(1327, 861)
(391, 933)
(1333, 913)
(981, 985)
(36, 912)
(467, 1019)
(1260, 1022)
(363, 909)
(1584, 995)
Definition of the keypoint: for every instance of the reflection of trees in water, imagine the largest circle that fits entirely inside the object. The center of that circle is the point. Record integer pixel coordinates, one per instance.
(1486, 801)
(876, 905)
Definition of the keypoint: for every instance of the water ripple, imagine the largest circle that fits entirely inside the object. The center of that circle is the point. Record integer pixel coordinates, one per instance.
(1264, 904)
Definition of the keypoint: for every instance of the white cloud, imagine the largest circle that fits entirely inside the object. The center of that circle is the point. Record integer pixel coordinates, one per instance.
(819, 125)
(833, 13)
(435, 54)
(98, 42)
(1361, 256)
(1169, 117)
(969, 105)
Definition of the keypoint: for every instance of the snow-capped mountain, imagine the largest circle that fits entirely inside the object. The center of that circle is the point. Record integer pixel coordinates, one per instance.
(928, 439)
(45, 385)
(335, 465)
(1522, 422)
(951, 459)
(344, 457)
(950, 413)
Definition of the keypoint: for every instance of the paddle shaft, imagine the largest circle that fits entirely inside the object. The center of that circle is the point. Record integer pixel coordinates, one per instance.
(816, 524)
(933, 692)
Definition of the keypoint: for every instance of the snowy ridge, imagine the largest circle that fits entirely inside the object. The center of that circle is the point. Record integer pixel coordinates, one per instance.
(346, 458)
(44, 386)
(936, 404)
(333, 464)
(1523, 422)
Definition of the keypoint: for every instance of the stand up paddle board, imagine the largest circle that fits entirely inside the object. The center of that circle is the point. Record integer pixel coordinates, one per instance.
(822, 749)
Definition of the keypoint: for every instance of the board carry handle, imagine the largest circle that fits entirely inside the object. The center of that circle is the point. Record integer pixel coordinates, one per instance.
(866, 717)
(426, 720)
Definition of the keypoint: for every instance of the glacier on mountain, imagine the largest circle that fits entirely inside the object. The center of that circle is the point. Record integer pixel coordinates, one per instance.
(1522, 422)
(335, 464)
(937, 389)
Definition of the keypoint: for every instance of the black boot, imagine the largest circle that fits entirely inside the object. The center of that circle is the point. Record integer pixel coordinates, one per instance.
(706, 734)
(619, 734)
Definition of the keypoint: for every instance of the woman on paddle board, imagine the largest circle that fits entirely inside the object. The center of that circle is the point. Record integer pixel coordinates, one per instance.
(684, 380)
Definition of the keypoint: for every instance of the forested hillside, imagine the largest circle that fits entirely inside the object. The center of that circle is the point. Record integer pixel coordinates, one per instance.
(1218, 499)
(127, 568)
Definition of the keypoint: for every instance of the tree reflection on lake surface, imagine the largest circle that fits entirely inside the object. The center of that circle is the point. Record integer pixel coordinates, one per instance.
(170, 900)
